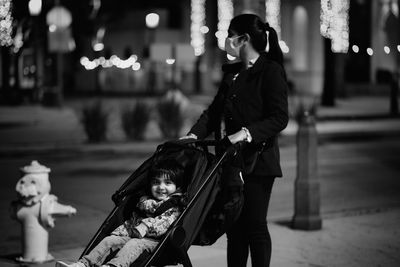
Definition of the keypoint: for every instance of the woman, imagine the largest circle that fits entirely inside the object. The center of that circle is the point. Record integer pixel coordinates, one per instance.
(251, 105)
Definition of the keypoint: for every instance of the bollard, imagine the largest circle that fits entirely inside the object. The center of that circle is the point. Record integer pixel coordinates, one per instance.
(36, 209)
(307, 191)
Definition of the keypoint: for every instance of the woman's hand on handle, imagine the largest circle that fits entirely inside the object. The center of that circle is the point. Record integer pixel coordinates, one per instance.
(242, 135)
(188, 136)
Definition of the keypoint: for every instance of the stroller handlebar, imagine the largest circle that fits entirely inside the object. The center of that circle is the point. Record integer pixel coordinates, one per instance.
(224, 144)
(206, 142)
(192, 141)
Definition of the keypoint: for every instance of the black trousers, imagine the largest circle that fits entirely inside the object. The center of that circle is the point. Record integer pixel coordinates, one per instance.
(250, 231)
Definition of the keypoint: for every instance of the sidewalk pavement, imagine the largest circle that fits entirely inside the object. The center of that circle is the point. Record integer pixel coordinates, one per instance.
(358, 239)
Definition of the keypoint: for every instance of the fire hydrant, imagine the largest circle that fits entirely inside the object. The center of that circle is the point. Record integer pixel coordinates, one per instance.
(36, 210)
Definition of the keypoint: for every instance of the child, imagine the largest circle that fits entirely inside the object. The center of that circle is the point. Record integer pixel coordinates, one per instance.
(141, 232)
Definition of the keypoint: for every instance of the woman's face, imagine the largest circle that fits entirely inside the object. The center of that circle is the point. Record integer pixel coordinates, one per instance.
(162, 187)
(233, 43)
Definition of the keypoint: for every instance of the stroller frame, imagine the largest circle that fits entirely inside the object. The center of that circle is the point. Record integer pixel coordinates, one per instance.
(176, 235)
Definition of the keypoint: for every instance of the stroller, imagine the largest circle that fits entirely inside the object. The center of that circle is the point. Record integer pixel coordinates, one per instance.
(202, 187)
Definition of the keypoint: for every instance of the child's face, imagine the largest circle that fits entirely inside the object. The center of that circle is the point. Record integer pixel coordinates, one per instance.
(162, 187)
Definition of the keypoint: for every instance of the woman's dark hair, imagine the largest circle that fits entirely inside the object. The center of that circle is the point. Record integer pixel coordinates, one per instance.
(170, 169)
(256, 29)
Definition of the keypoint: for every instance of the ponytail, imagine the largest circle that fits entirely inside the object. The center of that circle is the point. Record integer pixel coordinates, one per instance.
(274, 52)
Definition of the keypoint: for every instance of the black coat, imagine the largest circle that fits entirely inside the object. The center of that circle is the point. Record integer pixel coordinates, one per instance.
(257, 99)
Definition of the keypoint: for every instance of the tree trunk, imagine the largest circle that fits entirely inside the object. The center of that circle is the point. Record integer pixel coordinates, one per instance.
(329, 92)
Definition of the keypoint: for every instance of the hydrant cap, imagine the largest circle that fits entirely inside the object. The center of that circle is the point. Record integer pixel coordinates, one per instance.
(35, 167)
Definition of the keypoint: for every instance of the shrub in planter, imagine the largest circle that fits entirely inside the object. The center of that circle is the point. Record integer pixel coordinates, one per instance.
(134, 120)
(94, 120)
(170, 117)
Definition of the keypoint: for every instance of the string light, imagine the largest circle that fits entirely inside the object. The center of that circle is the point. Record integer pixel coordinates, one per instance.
(335, 23)
(136, 66)
(197, 16)
(386, 49)
(5, 23)
(35, 7)
(52, 28)
(204, 29)
(114, 60)
(225, 15)
(98, 47)
(273, 15)
(152, 20)
(170, 61)
(370, 51)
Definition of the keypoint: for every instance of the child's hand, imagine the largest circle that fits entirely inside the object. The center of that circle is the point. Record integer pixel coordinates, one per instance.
(139, 231)
(149, 205)
(135, 233)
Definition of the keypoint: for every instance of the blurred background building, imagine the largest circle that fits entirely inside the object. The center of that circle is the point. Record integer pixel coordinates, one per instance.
(55, 48)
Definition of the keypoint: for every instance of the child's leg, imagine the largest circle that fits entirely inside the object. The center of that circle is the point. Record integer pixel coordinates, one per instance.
(106, 246)
(131, 251)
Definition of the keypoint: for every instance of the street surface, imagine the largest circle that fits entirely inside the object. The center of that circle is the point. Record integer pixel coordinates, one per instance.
(357, 178)
(358, 169)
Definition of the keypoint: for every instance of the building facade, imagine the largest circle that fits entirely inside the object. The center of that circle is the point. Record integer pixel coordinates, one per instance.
(114, 51)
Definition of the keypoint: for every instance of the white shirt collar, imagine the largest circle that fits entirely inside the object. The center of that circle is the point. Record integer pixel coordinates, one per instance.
(252, 61)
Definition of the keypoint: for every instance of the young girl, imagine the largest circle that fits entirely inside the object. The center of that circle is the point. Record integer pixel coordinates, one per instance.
(142, 231)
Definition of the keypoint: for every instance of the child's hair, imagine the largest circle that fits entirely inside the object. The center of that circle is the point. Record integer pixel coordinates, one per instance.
(169, 169)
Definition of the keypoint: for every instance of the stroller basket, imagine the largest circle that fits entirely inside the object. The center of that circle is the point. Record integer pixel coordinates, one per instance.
(201, 186)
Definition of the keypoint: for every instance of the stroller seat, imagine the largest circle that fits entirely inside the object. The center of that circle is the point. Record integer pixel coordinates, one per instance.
(201, 185)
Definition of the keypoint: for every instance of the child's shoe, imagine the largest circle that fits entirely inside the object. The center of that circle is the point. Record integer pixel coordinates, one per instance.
(75, 264)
